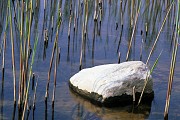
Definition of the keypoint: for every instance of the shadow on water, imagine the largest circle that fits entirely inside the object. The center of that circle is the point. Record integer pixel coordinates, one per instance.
(84, 109)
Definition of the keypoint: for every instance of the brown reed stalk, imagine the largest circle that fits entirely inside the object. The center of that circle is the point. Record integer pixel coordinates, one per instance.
(86, 18)
(3, 59)
(29, 34)
(59, 55)
(95, 10)
(134, 28)
(55, 74)
(171, 75)
(29, 77)
(119, 57)
(12, 50)
(173, 63)
(70, 19)
(100, 10)
(159, 33)
(25, 72)
(146, 29)
(52, 26)
(75, 13)
(50, 67)
(132, 10)
(44, 5)
(83, 33)
(21, 54)
(59, 20)
(34, 99)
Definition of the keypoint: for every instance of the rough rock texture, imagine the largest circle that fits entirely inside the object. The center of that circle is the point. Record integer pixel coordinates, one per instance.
(113, 83)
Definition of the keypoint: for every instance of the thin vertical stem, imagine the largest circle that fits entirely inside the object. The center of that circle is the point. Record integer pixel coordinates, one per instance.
(55, 74)
(12, 50)
(172, 67)
(134, 28)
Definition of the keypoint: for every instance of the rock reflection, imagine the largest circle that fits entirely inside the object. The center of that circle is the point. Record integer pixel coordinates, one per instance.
(84, 109)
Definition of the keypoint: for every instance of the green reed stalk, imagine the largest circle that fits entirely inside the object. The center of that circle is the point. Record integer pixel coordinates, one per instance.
(30, 75)
(147, 77)
(12, 51)
(173, 63)
(159, 33)
(134, 28)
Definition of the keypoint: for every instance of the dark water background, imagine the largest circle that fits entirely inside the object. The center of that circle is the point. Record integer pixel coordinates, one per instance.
(101, 48)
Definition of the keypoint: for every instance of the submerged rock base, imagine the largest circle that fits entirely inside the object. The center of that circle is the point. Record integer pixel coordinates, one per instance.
(114, 101)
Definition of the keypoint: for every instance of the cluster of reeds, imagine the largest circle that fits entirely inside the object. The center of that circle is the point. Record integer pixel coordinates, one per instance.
(23, 24)
(19, 18)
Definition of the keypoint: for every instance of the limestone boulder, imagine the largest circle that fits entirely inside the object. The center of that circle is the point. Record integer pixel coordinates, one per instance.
(112, 84)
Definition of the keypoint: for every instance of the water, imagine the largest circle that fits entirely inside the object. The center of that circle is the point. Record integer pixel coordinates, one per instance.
(101, 48)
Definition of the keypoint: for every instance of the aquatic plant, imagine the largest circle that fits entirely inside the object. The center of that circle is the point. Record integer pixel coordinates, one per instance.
(173, 63)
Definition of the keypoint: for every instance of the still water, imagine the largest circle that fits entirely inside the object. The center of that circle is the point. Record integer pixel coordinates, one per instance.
(104, 40)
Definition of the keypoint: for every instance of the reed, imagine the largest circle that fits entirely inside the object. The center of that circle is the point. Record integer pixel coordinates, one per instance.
(173, 64)
(59, 20)
(21, 53)
(134, 28)
(59, 55)
(29, 77)
(3, 59)
(33, 79)
(75, 18)
(100, 10)
(49, 71)
(147, 77)
(52, 26)
(12, 51)
(55, 74)
(84, 33)
(96, 10)
(34, 98)
(119, 58)
(70, 20)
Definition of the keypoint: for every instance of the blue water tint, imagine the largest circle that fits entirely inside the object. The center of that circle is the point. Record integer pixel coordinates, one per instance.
(101, 47)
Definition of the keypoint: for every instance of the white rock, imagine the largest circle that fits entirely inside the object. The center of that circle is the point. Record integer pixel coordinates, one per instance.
(112, 80)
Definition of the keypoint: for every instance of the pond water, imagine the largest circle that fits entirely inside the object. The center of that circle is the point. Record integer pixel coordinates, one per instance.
(104, 40)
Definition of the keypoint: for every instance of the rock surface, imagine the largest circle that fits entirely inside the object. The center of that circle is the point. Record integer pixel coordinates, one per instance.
(113, 83)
